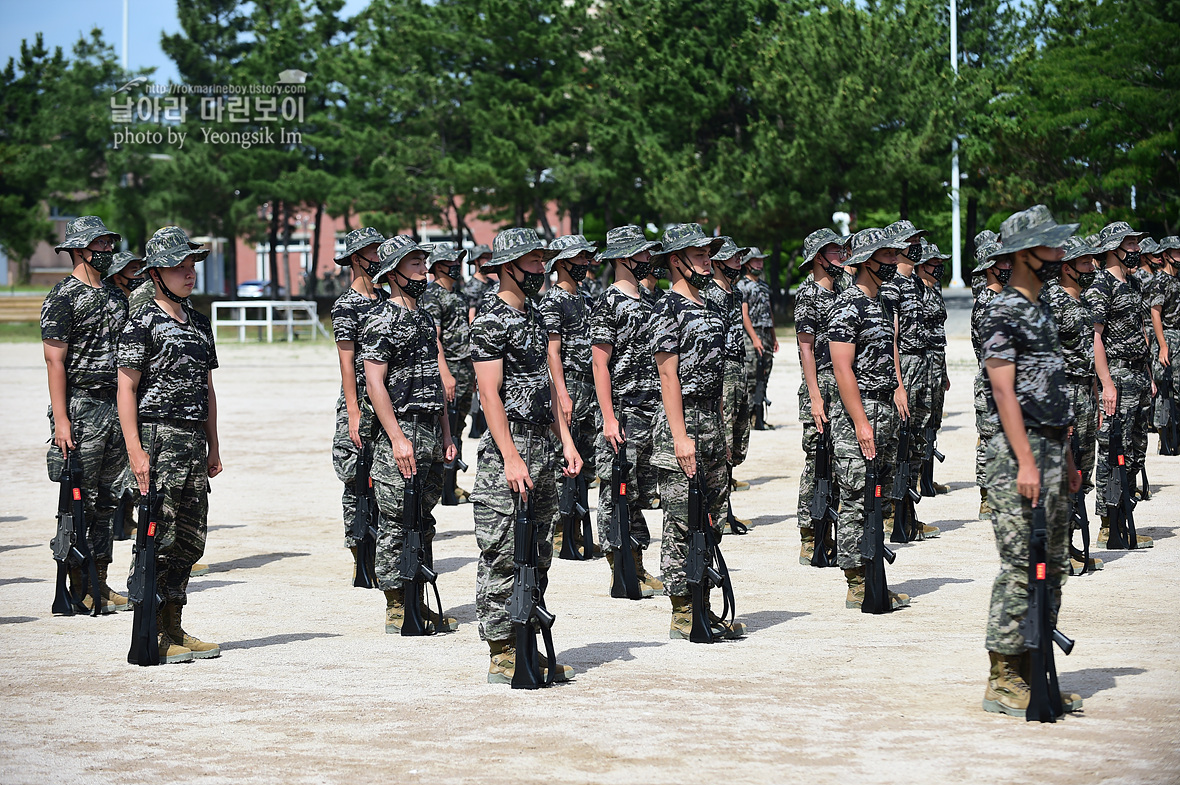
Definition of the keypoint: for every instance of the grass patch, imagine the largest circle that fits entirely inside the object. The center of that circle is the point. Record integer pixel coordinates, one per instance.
(20, 332)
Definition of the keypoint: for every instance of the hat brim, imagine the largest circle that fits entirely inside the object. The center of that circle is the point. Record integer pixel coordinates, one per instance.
(172, 257)
(80, 241)
(345, 259)
(713, 244)
(512, 254)
(1117, 240)
(862, 256)
(612, 253)
(118, 268)
(390, 263)
(458, 259)
(808, 260)
(1049, 237)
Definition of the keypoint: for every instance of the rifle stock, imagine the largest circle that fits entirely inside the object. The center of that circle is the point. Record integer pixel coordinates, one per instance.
(1120, 504)
(364, 522)
(625, 580)
(573, 515)
(873, 550)
(526, 606)
(452, 468)
(1079, 520)
(823, 516)
(704, 546)
(926, 474)
(141, 588)
(70, 547)
(1169, 428)
(416, 564)
(904, 496)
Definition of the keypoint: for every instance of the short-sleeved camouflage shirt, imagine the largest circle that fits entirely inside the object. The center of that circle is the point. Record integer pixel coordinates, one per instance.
(174, 360)
(117, 293)
(591, 289)
(404, 340)
(813, 311)
(89, 320)
(652, 296)
(862, 320)
(756, 293)
(1075, 330)
(624, 323)
(519, 338)
(477, 291)
(696, 333)
(1146, 279)
(1023, 332)
(567, 315)
(729, 305)
(905, 297)
(350, 312)
(449, 311)
(978, 310)
(1119, 306)
(933, 318)
(1166, 294)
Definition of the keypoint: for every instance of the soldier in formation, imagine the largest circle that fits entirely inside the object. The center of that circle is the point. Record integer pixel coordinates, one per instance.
(758, 321)
(1164, 301)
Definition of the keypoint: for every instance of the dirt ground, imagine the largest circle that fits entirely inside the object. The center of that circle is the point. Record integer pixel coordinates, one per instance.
(310, 689)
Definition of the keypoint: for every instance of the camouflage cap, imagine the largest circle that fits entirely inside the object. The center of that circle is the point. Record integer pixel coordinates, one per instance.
(1112, 235)
(476, 252)
(904, 230)
(1076, 247)
(867, 242)
(1170, 243)
(987, 254)
(511, 244)
(728, 250)
(358, 240)
(170, 246)
(986, 236)
(568, 246)
(677, 237)
(391, 252)
(120, 262)
(81, 232)
(444, 252)
(1033, 228)
(1148, 245)
(753, 252)
(815, 242)
(623, 242)
(930, 253)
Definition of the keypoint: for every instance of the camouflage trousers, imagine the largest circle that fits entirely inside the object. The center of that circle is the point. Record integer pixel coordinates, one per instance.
(1163, 373)
(735, 402)
(829, 392)
(495, 520)
(766, 335)
(851, 469)
(983, 427)
(464, 373)
(705, 425)
(1085, 409)
(344, 459)
(1133, 411)
(916, 374)
(389, 486)
(180, 467)
(642, 479)
(1012, 517)
(98, 439)
(582, 429)
(937, 387)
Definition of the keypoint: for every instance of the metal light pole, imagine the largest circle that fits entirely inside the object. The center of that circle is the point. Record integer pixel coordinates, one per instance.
(956, 238)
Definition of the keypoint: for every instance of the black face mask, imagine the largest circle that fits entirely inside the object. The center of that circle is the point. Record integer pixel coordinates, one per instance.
(731, 273)
(1004, 276)
(531, 283)
(1085, 280)
(1131, 260)
(102, 261)
(134, 283)
(640, 270)
(412, 287)
(366, 265)
(884, 272)
(578, 271)
(695, 280)
(914, 252)
(938, 271)
(454, 271)
(1048, 271)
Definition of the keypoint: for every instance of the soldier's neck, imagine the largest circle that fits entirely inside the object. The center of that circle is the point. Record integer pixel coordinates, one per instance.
(1071, 286)
(170, 307)
(683, 288)
(566, 283)
(445, 281)
(904, 269)
(822, 278)
(363, 284)
(723, 282)
(85, 273)
(1118, 271)
(867, 283)
(1025, 281)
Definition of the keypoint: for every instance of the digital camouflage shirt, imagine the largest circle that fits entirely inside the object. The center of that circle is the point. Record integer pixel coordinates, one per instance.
(89, 320)
(449, 311)
(567, 316)
(519, 338)
(405, 341)
(350, 312)
(624, 323)
(978, 311)
(696, 334)
(1023, 332)
(1166, 294)
(862, 320)
(1075, 330)
(729, 305)
(174, 360)
(813, 311)
(933, 318)
(905, 298)
(756, 293)
(477, 291)
(1119, 306)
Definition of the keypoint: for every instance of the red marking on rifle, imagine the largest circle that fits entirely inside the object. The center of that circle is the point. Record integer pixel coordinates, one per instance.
(77, 494)
(151, 529)
(622, 489)
(878, 493)
(1121, 460)
(1040, 571)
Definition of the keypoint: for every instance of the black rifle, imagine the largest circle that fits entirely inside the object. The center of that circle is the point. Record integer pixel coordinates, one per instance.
(760, 402)
(905, 526)
(123, 514)
(1168, 423)
(1145, 493)
(416, 565)
(823, 515)
(451, 469)
(364, 523)
(625, 582)
(926, 474)
(703, 547)
(572, 507)
(1120, 504)
(69, 545)
(873, 550)
(1044, 703)
(141, 586)
(735, 525)
(526, 606)
(1079, 520)
(478, 423)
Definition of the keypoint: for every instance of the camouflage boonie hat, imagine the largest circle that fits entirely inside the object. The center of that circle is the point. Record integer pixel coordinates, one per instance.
(1076, 247)
(815, 242)
(81, 232)
(120, 262)
(391, 252)
(358, 240)
(677, 237)
(986, 236)
(930, 252)
(1148, 245)
(753, 252)
(623, 242)
(867, 242)
(568, 246)
(1113, 234)
(987, 254)
(511, 244)
(903, 230)
(170, 246)
(444, 252)
(476, 251)
(728, 250)
(1170, 243)
(1033, 228)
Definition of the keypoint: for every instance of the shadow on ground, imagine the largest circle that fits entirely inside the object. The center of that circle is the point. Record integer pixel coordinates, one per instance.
(592, 655)
(764, 620)
(252, 562)
(919, 586)
(221, 526)
(16, 619)
(12, 518)
(4, 548)
(197, 586)
(452, 563)
(1091, 681)
(959, 523)
(278, 640)
(768, 520)
(10, 581)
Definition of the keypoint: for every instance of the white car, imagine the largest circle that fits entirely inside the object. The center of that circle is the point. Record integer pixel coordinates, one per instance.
(257, 290)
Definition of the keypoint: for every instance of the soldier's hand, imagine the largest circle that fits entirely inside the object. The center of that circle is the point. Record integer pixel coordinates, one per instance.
(566, 404)
(946, 384)
(901, 399)
(864, 437)
(1165, 360)
(1028, 482)
(573, 461)
(686, 455)
(1109, 400)
(63, 437)
(1075, 481)
(614, 435)
(448, 381)
(451, 452)
(403, 455)
(141, 467)
(213, 463)
(818, 414)
(776, 343)
(516, 472)
(757, 345)
(354, 428)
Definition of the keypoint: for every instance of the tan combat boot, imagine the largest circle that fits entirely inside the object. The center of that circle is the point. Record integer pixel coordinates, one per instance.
(928, 532)
(1070, 701)
(806, 544)
(199, 570)
(646, 579)
(503, 665)
(681, 617)
(443, 624)
(856, 588)
(739, 485)
(645, 590)
(941, 489)
(1076, 567)
(110, 600)
(1104, 535)
(985, 510)
(726, 629)
(200, 649)
(1007, 692)
(171, 651)
(395, 610)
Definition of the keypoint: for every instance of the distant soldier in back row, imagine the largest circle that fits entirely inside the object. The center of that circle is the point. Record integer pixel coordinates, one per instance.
(994, 269)
(933, 318)
(1165, 322)
(760, 341)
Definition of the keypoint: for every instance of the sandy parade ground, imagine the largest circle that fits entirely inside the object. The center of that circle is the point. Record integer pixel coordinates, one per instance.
(310, 689)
